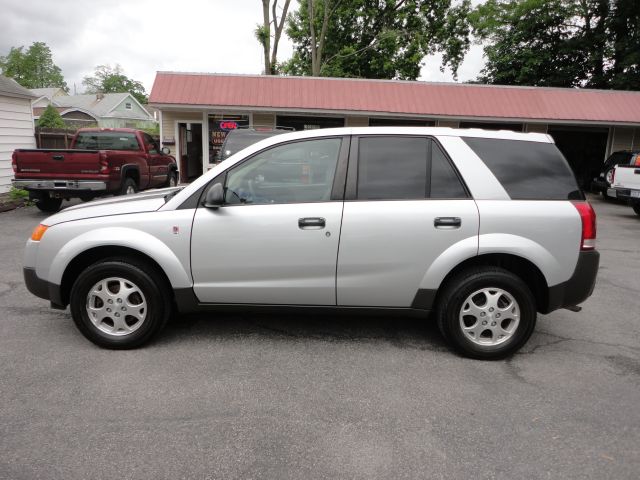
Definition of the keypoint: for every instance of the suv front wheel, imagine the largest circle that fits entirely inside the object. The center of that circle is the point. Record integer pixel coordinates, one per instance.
(119, 304)
(486, 313)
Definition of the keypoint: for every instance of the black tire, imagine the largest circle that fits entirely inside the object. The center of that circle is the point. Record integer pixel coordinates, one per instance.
(129, 186)
(48, 204)
(452, 300)
(172, 179)
(636, 208)
(155, 292)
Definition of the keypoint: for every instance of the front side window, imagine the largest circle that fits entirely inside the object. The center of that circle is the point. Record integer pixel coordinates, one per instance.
(297, 172)
(152, 145)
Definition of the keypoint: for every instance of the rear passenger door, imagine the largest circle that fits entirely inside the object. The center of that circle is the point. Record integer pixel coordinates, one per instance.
(405, 208)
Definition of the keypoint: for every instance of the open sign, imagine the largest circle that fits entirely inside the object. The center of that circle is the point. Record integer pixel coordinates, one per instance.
(228, 125)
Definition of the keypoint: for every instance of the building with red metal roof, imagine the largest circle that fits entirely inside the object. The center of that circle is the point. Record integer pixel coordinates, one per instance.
(586, 124)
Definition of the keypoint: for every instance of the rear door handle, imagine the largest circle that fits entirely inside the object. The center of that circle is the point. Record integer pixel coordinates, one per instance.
(311, 223)
(637, 172)
(58, 157)
(447, 222)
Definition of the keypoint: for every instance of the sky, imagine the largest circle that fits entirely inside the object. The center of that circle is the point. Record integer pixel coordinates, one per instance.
(145, 36)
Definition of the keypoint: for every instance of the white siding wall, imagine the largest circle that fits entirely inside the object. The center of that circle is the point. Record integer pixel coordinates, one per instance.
(16, 131)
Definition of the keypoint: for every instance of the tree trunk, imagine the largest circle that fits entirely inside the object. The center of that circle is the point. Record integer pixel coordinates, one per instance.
(278, 31)
(314, 46)
(266, 45)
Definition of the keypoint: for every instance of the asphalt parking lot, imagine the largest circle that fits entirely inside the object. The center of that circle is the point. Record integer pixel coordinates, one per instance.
(249, 396)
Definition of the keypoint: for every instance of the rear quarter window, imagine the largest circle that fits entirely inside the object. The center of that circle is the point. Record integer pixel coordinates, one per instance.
(528, 170)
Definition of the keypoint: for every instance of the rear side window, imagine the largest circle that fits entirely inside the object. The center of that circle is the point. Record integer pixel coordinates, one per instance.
(106, 141)
(528, 170)
(392, 168)
(405, 168)
(444, 179)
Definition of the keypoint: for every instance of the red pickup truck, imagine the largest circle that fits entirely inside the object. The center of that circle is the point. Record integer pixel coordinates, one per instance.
(101, 161)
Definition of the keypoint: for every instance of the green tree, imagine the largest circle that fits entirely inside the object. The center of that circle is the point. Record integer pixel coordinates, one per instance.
(375, 38)
(51, 118)
(33, 68)
(564, 43)
(108, 79)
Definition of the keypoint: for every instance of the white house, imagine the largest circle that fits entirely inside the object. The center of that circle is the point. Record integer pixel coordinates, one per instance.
(16, 126)
(109, 110)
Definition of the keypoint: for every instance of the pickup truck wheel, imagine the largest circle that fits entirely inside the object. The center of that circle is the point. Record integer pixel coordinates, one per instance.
(129, 186)
(119, 304)
(48, 204)
(172, 179)
(636, 208)
(486, 313)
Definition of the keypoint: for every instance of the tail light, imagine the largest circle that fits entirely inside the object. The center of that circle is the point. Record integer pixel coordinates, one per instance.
(104, 163)
(637, 161)
(14, 163)
(588, 218)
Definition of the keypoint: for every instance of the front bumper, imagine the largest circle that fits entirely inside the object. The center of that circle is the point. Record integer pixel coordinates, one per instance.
(579, 287)
(41, 288)
(64, 185)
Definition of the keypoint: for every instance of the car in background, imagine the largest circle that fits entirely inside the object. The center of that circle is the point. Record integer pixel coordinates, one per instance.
(101, 161)
(626, 185)
(241, 138)
(604, 180)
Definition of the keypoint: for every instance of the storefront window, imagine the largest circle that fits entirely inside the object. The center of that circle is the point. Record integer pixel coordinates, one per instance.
(219, 126)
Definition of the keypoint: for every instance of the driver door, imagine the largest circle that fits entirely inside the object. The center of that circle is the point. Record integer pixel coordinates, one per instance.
(275, 238)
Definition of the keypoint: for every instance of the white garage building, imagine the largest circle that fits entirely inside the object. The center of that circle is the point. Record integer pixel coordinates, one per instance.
(16, 126)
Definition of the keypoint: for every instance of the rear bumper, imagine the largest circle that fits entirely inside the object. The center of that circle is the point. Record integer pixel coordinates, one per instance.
(63, 185)
(579, 287)
(41, 288)
(626, 194)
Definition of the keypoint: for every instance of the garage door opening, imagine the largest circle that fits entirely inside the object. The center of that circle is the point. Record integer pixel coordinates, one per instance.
(584, 149)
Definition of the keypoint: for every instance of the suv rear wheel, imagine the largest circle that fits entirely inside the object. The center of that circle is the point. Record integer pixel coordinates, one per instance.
(486, 313)
(119, 304)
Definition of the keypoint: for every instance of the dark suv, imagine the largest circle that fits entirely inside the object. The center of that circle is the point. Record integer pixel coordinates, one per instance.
(241, 138)
(602, 182)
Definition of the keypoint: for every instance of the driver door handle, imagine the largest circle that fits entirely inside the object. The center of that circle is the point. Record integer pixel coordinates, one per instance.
(447, 222)
(311, 223)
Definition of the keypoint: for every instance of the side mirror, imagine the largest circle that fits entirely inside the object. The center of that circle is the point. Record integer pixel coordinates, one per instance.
(165, 150)
(214, 197)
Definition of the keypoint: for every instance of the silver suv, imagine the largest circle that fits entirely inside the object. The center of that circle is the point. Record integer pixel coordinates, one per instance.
(482, 229)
